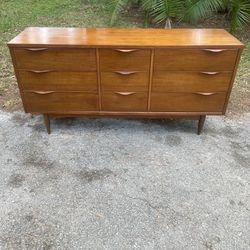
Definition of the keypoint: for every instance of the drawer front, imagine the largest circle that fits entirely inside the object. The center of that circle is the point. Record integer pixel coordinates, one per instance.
(57, 59)
(58, 80)
(187, 102)
(195, 59)
(60, 101)
(124, 81)
(124, 59)
(181, 81)
(124, 101)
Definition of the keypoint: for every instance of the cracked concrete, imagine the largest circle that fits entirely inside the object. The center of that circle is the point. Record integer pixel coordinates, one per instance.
(124, 184)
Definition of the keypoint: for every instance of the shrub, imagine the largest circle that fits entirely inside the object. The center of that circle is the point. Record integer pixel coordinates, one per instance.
(238, 11)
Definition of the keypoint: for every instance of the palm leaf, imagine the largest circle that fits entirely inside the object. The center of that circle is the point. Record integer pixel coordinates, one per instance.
(165, 9)
(239, 14)
(198, 9)
(116, 7)
(148, 5)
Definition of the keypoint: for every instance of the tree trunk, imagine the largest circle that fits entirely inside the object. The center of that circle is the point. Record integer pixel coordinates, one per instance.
(168, 23)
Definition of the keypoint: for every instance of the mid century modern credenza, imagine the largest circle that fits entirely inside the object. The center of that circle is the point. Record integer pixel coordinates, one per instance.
(154, 73)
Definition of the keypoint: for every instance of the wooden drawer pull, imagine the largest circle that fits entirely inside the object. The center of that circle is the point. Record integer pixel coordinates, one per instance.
(126, 50)
(42, 92)
(40, 71)
(209, 73)
(125, 72)
(125, 93)
(36, 49)
(214, 50)
(204, 94)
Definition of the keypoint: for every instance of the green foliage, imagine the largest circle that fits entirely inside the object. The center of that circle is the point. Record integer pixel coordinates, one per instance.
(239, 13)
(163, 10)
(189, 10)
(198, 9)
(117, 6)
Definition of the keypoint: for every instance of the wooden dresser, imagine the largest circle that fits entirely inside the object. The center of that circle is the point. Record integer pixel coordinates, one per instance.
(154, 73)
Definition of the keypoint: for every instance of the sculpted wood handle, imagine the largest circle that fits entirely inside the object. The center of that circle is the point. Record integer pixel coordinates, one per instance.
(204, 94)
(125, 72)
(214, 50)
(126, 50)
(42, 92)
(125, 93)
(40, 71)
(36, 49)
(209, 73)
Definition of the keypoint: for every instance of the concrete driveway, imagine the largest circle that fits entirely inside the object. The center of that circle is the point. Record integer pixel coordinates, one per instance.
(124, 184)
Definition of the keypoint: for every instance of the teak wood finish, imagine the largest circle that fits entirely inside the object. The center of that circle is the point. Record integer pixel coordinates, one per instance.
(152, 73)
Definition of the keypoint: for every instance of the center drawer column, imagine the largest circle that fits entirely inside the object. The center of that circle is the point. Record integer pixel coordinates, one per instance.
(124, 76)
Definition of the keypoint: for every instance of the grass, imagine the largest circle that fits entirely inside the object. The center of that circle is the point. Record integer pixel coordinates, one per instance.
(15, 15)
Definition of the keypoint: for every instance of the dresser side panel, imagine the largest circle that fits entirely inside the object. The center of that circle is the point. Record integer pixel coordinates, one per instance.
(14, 59)
(237, 61)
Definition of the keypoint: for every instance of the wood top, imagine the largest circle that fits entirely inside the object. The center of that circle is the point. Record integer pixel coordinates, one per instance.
(110, 37)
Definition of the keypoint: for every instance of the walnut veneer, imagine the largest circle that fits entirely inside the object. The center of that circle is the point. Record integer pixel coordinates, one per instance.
(151, 73)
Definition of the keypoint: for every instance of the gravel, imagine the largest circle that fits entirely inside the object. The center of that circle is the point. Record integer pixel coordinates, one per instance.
(124, 184)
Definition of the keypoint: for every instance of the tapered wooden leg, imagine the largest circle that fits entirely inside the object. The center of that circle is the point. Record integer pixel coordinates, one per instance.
(201, 124)
(47, 122)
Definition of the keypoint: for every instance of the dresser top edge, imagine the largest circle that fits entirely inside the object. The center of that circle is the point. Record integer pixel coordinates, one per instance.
(133, 37)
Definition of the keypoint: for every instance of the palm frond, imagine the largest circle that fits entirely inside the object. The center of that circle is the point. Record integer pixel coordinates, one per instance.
(148, 5)
(198, 9)
(239, 14)
(116, 7)
(189, 10)
(164, 9)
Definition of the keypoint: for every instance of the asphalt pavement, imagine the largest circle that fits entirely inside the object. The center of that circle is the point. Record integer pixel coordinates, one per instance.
(124, 184)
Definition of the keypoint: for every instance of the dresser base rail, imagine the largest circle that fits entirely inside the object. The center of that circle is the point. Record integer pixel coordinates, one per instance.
(201, 119)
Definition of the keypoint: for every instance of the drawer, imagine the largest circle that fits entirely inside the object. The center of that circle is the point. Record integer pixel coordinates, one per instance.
(57, 59)
(124, 81)
(124, 59)
(188, 81)
(190, 102)
(58, 80)
(195, 59)
(124, 101)
(43, 102)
